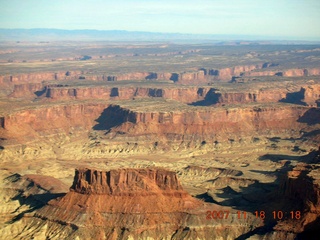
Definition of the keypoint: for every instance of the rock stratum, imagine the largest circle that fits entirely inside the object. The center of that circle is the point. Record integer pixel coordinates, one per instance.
(132, 127)
(198, 76)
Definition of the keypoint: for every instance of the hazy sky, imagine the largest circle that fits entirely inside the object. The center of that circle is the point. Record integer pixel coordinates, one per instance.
(299, 19)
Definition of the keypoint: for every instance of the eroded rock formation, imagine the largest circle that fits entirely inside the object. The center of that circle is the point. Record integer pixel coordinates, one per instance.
(42, 120)
(129, 203)
(201, 75)
(210, 123)
(123, 181)
(301, 190)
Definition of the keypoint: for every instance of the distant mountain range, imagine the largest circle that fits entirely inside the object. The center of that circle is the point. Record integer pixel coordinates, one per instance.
(44, 34)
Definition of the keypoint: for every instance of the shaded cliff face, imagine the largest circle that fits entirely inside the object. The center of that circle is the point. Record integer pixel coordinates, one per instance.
(300, 187)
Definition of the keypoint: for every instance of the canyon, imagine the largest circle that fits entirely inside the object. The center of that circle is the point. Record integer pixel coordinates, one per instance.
(161, 144)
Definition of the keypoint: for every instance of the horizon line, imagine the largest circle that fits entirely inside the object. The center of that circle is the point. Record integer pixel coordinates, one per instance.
(205, 36)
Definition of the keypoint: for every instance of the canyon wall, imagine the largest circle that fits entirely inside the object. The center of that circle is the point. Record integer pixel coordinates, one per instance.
(204, 96)
(293, 72)
(212, 124)
(51, 119)
(261, 96)
(27, 90)
(205, 123)
(201, 75)
(187, 95)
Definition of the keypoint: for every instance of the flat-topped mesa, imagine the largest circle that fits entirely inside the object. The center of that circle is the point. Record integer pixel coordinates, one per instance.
(125, 181)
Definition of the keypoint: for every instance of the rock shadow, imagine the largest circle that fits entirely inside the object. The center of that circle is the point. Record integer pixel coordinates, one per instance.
(308, 158)
(295, 98)
(311, 231)
(311, 134)
(113, 116)
(174, 77)
(30, 201)
(211, 98)
(257, 231)
(248, 198)
(255, 198)
(33, 202)
(206, 198)
(279, 157)
(152, 76)
(266, 197)
(40, 92)
(310, 117)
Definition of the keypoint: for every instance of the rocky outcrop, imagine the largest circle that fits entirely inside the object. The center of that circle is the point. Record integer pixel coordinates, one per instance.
(301, 189)
(201, 75)
(307, 95)
(22, 80)
(42, 76)
(26, 90)
(186, 95)
(202, 96)
(124, 181)
(28, 123)
(311, 95)
(130, 204)
(259, 96)
(293, 72)
(196, 76)
(139, 200)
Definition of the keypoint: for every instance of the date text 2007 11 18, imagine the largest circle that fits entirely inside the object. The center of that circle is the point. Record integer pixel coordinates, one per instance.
(277, 215)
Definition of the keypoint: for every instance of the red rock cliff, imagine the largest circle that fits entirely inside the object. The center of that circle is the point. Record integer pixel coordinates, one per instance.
(301, 188)
(51, 119)
(124, 181)
(26, 90)
(187, 95)
(311, 94)
(212, 123)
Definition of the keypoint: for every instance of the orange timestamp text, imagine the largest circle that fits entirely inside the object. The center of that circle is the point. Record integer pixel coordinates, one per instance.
(277, 215)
